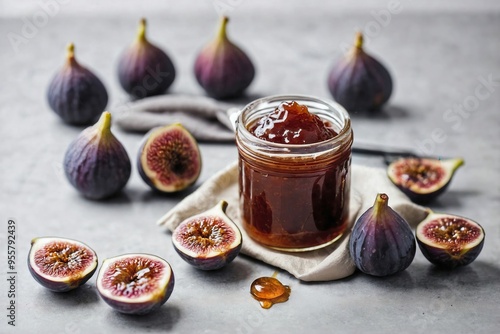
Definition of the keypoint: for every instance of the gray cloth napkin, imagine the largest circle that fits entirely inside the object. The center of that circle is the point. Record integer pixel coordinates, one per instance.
(329, 263)
(204, 117)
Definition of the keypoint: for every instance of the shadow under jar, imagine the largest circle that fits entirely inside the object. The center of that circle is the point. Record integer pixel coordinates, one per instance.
(294, 197)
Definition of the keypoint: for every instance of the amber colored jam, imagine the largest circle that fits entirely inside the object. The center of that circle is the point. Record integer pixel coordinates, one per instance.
(294, 202)
(269, 291)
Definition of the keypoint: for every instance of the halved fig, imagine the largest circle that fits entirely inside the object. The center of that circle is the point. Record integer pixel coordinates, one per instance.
(135, 283)
(423, 179)
(169, 159)
(61, 264)
(449, 241)
(209, 240)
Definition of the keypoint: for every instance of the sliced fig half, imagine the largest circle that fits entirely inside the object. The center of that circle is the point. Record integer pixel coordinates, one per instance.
(449, 241)
(209, 240)
(169, 159)
(61, 264)
(135, 283)
(423, 179)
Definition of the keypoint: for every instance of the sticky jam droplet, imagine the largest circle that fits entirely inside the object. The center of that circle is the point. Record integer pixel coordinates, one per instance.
(269, 291)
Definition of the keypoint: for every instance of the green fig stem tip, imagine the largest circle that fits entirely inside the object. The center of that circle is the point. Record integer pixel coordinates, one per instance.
(358, 41)
(70, 52)
(141, 32)
(381, 202)
(104, 123)
(221, 33)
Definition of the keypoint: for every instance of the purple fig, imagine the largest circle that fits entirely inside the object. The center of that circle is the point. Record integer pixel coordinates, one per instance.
(449, 241)
(169, 159)
(382, 243)
(75, 93)
(96, 163)
(423, 179)
(135, 283)
(61, 264)
(359, 82)
(209, 240)
(222, 68)
(144, 69)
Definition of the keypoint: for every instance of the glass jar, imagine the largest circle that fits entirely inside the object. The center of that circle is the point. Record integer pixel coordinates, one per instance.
(294, 197)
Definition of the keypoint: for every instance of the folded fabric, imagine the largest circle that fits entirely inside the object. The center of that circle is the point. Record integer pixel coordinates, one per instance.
(329, 263)
(204, 117)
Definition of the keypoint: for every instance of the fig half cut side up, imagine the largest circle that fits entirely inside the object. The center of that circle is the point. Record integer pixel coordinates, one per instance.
(450, 241)
(423, 179)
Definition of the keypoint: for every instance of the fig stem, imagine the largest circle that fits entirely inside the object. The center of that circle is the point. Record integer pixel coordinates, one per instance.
(221, 33)
(70, 53)
(104, 123)
(381, 202)
(358, 41)
(141, 32)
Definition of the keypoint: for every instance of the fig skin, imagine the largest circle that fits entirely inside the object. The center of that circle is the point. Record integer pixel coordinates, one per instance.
(144, 69)
(76, 94)
(66, 282)
(218, 253)
(423, 179)
(359, 82)
(222, 69)
(157, 293)
(96, 163)
(175, 171)
(451, 247)
(382, 243)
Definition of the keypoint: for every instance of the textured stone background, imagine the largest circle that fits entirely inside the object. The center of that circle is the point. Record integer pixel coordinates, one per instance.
(439, 53)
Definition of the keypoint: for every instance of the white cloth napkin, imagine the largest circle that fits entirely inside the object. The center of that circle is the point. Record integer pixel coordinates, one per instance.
(329, 263)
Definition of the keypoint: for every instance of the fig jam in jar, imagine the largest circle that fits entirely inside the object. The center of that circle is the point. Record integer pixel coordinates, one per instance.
(294, 171)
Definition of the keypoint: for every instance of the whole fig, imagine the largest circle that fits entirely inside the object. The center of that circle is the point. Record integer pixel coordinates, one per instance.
(382, 243)
(360, 82)
(96, 163)
(75, 93)
(144, 69)
(222, 68)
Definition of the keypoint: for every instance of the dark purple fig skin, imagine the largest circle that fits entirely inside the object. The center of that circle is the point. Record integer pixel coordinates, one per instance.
(96, 163)
(144, 69)
(140, 308)
(60, 286)
(382, 243)
(222, 69)
(444, 258)
(76, 94)
(359, 82)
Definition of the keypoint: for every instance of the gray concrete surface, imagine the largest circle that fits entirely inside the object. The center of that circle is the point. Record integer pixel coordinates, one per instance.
(440, 56)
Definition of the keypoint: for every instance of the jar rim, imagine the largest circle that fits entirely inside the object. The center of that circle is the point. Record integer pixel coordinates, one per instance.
(345, 133)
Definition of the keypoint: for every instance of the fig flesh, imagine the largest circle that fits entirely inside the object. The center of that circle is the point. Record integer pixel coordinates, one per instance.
(222, 68)
(61, 264)
(144, 69)
(449, 241)
(135, 283)
(359, 82)
(169, 159)
(382, 243)
(423, 179)
(76, 94)
(209, 240)
(96, 163)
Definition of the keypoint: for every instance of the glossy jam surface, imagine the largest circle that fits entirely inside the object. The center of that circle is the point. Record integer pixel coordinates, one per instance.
(295, 202)
(292, 123)
(269, 291)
